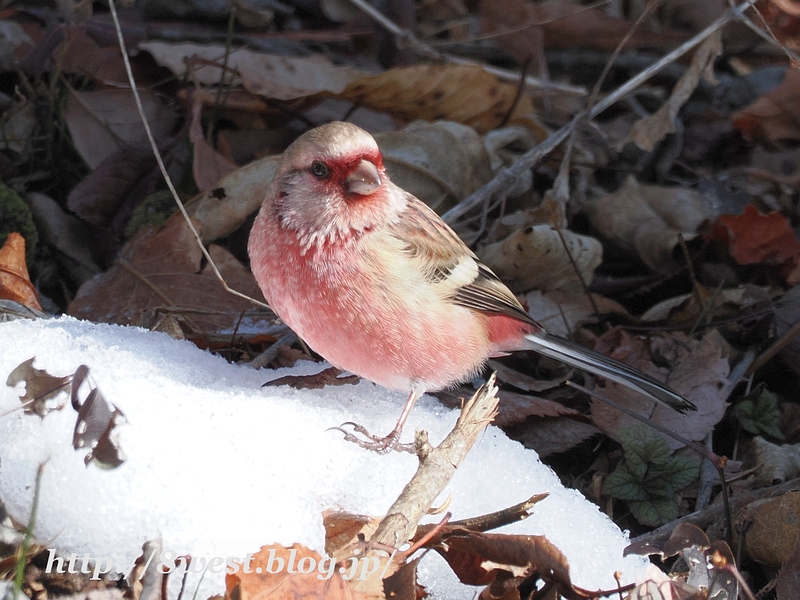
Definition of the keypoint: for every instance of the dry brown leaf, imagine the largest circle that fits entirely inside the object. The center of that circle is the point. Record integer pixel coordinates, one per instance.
(774, 117)
(774, 528)
(563, 314)
(15, 283)
(788, 585)
(279, 573)
(80, 54)
(697, 370)
(563, 24)
(536, 257)
(40, 387)
(462, 93)
(650, 130)
(502, 560)
(515, 408)
(756, 238)
(728, 303)
(273, 76)
(222, 210)
(440, 163)
(317, 381)
(646, 219)
(160, 271)
(776, 464)
(208, 166)
(106, 121)
(554, 427)
(342, 530)
(555, 435)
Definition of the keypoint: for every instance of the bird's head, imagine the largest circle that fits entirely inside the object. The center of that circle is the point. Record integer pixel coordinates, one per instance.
(331, 184)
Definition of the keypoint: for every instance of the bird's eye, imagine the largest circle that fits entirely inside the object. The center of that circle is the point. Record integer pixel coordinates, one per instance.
(319, 169)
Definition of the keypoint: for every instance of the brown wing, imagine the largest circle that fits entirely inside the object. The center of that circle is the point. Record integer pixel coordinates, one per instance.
(451, 266)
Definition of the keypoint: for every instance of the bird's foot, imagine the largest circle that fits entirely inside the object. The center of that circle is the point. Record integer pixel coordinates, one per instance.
(381, 445)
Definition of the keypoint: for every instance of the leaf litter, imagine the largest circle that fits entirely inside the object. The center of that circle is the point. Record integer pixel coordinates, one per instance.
(695, 251)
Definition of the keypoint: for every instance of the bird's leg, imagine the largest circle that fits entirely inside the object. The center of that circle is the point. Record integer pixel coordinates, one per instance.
(381, 445)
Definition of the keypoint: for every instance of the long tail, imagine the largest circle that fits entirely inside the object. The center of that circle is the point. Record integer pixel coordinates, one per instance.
(594, 362)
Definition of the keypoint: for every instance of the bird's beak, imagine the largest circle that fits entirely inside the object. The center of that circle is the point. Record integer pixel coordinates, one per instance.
(364, 179)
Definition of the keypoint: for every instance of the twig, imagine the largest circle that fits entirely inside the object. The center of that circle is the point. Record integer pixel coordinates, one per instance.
(19, 576)
(714, 512)
(776, 347)
(507, 178)
(123, 49)
(436, 467)
(430, 53)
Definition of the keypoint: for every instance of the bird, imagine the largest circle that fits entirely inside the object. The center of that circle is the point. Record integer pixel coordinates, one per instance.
(374, 281)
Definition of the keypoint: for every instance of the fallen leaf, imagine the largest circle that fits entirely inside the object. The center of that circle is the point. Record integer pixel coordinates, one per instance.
(542, 257)
(647, 219)
(160, 270)
(756, 238)
(440, 163)
(553, 435)
(650, 130)
(208, 166)
(342, 530)
(503, 560)
(563, 313)
(280, 573)
(326, 377)
(773, 117)
(40, 387)
(15, 283)
(273, 76)
(772, 534)
(776, 464)
(462, 93)
(96, 425)
(788, 585)
(103, 122)
(697, 370)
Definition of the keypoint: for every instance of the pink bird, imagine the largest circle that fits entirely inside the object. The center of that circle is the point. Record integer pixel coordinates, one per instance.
(374, 281)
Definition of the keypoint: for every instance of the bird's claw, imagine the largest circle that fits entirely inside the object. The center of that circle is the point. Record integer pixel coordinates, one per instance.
(381, 445)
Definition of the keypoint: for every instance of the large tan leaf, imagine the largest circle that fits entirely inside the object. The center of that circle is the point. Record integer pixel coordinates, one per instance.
(105, 121)
(278, 77)
(159, 272)
(462, 93)
(646, 219)
(536, 257)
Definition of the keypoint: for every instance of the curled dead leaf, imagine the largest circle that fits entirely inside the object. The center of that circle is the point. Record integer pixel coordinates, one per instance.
(776, 464)
(15, 283)
(650, 130)
(647, 219)
(539, 257)
(279, 573)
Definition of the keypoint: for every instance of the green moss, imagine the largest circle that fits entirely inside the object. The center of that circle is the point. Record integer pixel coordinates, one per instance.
(15, 215)
(153, 210)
